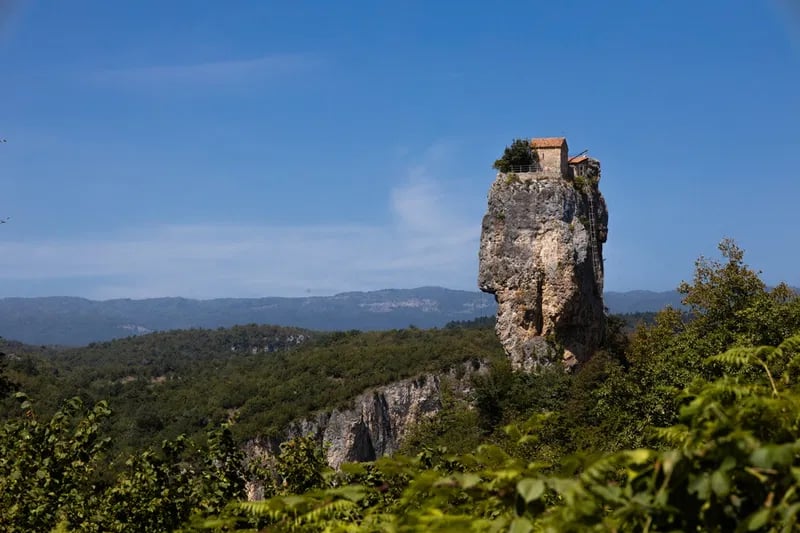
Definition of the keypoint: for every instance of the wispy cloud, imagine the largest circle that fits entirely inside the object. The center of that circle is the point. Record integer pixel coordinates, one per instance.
(234, 71)
(431, 240)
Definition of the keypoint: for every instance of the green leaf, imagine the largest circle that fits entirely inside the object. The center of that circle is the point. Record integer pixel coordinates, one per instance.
(530, 489)
(700, 485)
(520, 525)
(639, 456)
(728, 463)
(773, 455)
(758, 519)
(469, 480)
(720, 483)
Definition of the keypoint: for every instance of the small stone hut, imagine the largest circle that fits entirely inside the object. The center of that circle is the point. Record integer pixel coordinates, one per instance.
(579, 165)
(552, 153)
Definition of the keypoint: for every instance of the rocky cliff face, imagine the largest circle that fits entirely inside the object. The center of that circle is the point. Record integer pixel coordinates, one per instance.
(541, 256)
(377, 421)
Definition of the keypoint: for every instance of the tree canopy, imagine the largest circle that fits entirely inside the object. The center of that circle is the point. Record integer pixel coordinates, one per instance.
(518, 154)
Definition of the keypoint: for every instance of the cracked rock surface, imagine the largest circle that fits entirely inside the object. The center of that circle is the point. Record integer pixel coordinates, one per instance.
(537, 256)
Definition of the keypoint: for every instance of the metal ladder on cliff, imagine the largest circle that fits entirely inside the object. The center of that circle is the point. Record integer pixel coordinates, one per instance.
(593, 239)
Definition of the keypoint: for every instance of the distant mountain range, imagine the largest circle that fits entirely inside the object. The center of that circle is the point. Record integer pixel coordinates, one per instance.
(73, 321)
(640, 301)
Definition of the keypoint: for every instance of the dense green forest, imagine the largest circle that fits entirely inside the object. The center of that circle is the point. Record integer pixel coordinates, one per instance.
(180, 382)
(690, 422)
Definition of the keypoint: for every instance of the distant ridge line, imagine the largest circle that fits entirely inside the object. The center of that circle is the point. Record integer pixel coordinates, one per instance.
(76, 321)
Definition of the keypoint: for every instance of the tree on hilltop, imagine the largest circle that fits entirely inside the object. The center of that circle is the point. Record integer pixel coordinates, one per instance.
(518, 153)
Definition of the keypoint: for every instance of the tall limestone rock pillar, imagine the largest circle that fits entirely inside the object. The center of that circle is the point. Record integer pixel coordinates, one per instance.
(541, 256)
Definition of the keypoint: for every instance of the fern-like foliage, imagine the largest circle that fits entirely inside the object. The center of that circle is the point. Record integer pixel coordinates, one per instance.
(729, 464)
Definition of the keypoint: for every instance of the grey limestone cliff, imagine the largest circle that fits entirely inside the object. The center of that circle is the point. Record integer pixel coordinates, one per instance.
(376, 421)
(541, 256)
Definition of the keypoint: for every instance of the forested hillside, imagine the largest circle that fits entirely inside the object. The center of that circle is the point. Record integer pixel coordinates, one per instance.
(688, 424)
(180, 382)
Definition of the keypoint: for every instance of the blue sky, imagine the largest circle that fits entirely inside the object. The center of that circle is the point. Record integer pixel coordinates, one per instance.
(207, 149)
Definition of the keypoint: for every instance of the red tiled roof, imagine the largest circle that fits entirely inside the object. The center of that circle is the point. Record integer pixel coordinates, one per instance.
(548, 142)
(578, 159)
